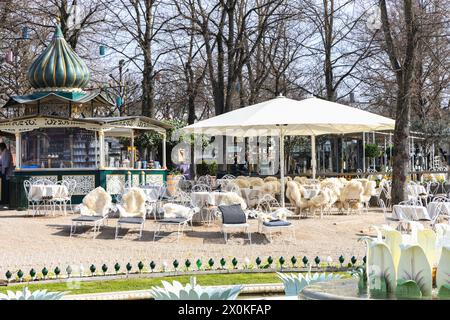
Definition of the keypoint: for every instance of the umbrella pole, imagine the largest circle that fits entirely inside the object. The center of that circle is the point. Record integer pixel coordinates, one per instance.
(282, 165)
(313, 156)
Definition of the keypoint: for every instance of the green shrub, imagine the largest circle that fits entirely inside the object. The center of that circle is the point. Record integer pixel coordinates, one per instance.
(372, 150)
(207, 168)
(213, 168)
(202, 169)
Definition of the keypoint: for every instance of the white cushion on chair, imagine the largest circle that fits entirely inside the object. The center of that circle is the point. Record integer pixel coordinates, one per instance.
(95, 203)
(230, 198)
(173, 210)
(133, 204)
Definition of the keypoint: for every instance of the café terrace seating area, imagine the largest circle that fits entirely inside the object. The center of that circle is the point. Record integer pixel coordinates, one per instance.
(228, 204)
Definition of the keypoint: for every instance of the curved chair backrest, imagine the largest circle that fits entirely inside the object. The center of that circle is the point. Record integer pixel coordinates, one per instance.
(27, 187)
(228, 177)
(98, 200)
(201, 188)
(267, 203)
(38, 182)
(162, 191)
(359, 173)
(387, 183)
(433, 187)
(440, 199)
(386, 191)
(411, 202)
(352, 191)
(313, 181)
(387, 215)
(412, 191)
(70, 184)
(440, 210)
(181, 197)
(134, 202)
(204, 180)
(185, 185)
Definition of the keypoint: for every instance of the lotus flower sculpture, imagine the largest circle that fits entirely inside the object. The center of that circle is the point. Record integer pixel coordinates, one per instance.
(403, 264)
(192, 291)
(26, 294)
(295, 283)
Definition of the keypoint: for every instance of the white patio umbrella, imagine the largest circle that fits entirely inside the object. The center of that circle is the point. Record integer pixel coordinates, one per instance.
(308, 117)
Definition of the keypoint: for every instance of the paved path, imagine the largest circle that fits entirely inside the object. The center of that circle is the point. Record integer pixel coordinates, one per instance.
(27, 242)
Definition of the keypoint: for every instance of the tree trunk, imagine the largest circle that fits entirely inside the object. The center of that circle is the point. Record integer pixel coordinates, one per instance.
(401, 148)
(328, 30)
(404, 73)
(147, 92)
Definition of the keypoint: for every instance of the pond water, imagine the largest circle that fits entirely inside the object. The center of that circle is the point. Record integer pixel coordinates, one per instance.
(347, 289)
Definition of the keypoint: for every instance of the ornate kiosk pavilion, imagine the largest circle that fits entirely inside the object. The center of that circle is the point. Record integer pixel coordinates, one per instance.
(62, 132)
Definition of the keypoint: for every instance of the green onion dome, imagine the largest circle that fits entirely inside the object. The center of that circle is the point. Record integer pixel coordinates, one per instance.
(58, 67)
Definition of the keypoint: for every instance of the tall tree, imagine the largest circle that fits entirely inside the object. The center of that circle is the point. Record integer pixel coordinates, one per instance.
(232, 30)
(141, 24)
(336, 46)
(402, 57)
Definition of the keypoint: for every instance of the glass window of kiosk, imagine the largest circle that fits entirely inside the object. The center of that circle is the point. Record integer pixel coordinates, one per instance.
(59, 148)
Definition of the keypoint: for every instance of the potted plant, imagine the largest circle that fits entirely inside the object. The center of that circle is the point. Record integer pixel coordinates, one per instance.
(202, 169)
(213, 172)
(172, 180)
(208, 168)
(372, 150)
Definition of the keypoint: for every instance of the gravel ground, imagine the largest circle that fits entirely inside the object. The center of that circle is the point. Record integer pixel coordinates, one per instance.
(34, 242)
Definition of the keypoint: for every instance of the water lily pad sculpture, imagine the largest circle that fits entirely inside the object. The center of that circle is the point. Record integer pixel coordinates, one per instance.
(407, 289)
(295, 283)
(360, 274)
(444, 292)
(26, 294)
(192, 291)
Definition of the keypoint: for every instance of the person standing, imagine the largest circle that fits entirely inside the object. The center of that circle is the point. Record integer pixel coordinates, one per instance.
(7, 168)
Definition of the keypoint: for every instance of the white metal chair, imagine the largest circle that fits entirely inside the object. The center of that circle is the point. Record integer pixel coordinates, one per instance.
(205, 180)
(389, 217)
(35, 203)
(228, 177)
(434, 188)
(386, 192)
(63, 200)
(180, 222)
(44, 204)
(267, 204)
(94, 210)
(201, 188)
(132, 211)
(232, 187)
(360, 173)
(268, 221)
(233, 217)
(440, 210)
(158, 196)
